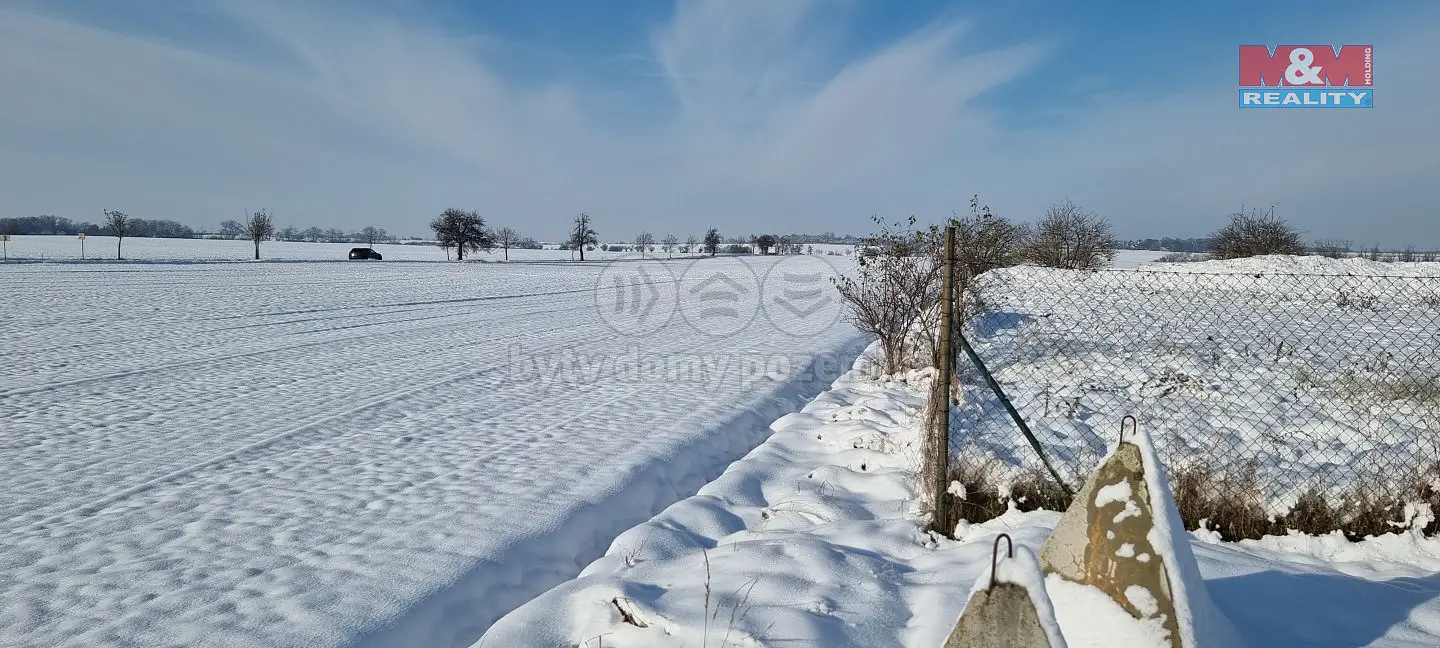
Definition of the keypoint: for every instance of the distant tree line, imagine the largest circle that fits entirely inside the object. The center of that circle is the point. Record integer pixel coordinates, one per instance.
(48, 225)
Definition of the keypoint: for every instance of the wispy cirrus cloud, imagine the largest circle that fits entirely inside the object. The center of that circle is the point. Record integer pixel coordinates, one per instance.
(747, 115)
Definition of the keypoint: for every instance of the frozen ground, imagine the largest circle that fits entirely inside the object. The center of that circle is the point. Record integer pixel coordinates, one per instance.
(382, 454)
(815, 539)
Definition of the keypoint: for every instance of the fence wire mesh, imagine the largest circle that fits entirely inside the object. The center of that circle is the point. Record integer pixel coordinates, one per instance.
(1276, 401)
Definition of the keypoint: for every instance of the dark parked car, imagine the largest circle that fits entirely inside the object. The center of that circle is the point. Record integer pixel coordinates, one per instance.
(364, 253)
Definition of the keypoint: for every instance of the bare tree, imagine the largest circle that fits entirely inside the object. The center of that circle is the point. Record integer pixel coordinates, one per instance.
(1332, 248)
(1408, 255)
(668, 244)
(1254, 233)
(314, 234)
(1070, 237)
(893, 292)
(232, 229)
(372, 234)
(463, 230)
(765, 242)
(690, 243)
(1375, 252)
(582, 235)
(119, 225)
(260, 227)
(643, 241)
(506, 237)
(712, 241)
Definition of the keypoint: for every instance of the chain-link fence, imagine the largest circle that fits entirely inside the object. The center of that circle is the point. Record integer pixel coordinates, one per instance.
(1277, 401)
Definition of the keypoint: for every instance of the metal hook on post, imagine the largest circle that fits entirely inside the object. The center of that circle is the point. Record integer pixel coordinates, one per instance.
(995, 554)
(1134, 428)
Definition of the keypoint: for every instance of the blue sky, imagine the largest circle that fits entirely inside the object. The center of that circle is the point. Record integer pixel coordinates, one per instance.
(747, 115)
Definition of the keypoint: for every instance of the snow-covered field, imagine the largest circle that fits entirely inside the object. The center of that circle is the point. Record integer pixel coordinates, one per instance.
(141, 250)
(816, 539)
(359, 453)
(1324, 372)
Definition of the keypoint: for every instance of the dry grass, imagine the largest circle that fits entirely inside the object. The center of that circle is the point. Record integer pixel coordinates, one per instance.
(1231, 504)
(990, 489)
(1230, 501)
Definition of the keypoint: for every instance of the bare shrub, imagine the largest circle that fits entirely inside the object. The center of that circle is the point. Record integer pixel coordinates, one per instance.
(984, 241)
(1184, 257)
(1356, 300)
(1312, 514)
(1036, 490)
(1407, 255)
(893, 293)
(1256, 233)
(1070, 237)
(990, 489)
(1332, 248)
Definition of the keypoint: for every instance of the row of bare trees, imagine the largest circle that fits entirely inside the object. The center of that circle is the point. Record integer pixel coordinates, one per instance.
(583, 237)
(259, 227)
(645, 242)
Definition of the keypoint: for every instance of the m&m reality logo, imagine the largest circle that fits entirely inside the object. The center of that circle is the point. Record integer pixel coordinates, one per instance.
(1306, 76)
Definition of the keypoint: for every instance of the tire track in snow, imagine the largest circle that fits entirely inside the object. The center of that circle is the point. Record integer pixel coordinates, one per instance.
(535, 334)
(26, 391)
(103, 502)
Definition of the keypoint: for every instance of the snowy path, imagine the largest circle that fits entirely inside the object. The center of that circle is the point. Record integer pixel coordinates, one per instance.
(339, 454)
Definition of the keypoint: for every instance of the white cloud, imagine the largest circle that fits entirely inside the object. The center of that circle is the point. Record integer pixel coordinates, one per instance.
(345, 119)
